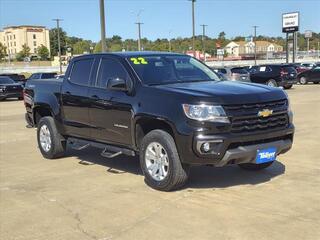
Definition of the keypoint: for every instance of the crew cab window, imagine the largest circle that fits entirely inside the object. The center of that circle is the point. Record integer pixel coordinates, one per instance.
(81, 70)
(109, 69)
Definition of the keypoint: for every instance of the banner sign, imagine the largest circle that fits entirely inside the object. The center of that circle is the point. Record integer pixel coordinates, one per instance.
(290, 22)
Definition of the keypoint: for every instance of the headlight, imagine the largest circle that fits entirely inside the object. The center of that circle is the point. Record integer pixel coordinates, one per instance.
(205, 113)
(2, 88)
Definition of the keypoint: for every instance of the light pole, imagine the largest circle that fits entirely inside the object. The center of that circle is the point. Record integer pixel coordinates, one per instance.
(103, 27)
(139, 23)
(203, 40)
(193, 28)
(170, 41)
(255, 44)
(139, 35)
(59, 45)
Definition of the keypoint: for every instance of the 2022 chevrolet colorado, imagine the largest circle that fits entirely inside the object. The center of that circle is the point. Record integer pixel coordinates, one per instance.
(169, 108)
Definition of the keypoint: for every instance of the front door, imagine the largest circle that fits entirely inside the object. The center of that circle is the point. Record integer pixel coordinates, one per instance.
(110, 110)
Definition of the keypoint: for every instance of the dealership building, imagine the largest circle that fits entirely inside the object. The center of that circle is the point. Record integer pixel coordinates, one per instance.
(14, 37)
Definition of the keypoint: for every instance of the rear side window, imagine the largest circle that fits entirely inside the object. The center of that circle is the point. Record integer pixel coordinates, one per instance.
(81, 71)
(48, 75)
(222, 70)
(239, 70)
(35, 76)
(109, 69)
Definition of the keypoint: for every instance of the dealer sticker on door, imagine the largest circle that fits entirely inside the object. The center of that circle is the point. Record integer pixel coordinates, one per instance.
(266, 155)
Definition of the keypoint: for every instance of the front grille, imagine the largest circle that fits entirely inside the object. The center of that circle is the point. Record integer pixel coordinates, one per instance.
(244, 117)
(272, 105)
(252, 124)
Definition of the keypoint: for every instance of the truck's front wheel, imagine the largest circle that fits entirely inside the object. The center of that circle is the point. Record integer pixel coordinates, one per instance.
(160, 162)
(51, 143)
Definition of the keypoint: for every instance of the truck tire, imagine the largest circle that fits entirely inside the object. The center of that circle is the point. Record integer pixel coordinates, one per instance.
(272, 83)
(51, 144)
(255, 167)
(160, 162)
(303, 80)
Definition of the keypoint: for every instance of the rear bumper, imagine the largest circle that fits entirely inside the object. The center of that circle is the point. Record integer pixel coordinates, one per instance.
(11, 95)
(287, 82)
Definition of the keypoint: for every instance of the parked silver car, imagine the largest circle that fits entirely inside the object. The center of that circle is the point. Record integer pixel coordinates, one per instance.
(234, 73)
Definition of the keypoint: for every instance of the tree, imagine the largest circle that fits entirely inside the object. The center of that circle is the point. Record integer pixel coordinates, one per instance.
(54, 47)
(81, 47)
(3, 51)
(25, 52)
(43, 52)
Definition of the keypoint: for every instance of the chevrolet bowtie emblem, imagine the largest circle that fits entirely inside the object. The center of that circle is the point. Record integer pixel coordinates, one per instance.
(265, 113)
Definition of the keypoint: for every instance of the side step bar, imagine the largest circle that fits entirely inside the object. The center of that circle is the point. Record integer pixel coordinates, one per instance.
(109, 151)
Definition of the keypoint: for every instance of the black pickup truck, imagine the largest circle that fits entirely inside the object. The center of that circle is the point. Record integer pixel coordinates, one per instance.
(170, 109)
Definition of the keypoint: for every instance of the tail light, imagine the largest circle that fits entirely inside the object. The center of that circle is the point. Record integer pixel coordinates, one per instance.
(283, 72)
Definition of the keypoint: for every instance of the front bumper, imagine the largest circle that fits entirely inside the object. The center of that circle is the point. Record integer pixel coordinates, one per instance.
(230, 148)
(287, 82)
(11, 95)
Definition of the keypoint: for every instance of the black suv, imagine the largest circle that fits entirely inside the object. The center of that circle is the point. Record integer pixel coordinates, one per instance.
(274, 75)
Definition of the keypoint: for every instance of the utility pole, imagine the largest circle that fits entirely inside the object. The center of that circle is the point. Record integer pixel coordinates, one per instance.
(203, 40)
(139, 35)
(103, 27)
(170, 41)
(255, 44)
(193, 28)
(59, 45)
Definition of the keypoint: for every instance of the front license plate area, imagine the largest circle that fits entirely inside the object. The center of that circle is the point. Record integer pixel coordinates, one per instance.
(266, 155)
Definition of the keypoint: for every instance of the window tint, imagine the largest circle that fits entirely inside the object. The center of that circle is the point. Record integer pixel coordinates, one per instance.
(110, 68)
(239, 70)
(81, 71)
(222, 70)
(35, 76)
(48, 75)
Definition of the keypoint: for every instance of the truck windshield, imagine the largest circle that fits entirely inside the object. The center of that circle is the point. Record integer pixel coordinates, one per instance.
(167, 69)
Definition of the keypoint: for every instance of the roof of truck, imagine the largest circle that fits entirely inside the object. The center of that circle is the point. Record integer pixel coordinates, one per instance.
(131, 54)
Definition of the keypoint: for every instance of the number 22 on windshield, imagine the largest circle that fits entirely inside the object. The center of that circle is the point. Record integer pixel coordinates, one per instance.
(139, 60)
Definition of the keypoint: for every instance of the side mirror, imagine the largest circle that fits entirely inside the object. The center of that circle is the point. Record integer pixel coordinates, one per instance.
(117, 84)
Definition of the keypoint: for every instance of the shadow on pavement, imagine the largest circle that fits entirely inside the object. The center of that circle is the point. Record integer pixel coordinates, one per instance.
(200, 176)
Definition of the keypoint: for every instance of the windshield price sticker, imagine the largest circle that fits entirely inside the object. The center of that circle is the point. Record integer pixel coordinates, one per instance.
(139, 60)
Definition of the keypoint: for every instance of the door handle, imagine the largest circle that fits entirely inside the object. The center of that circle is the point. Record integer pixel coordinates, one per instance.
(67, 93)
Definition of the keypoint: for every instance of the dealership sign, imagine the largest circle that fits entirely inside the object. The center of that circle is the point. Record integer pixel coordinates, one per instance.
(290, 22)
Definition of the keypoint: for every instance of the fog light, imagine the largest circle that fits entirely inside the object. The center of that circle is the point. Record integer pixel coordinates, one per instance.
(206, 147)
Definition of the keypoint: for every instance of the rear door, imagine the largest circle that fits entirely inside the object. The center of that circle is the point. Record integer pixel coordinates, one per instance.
(315, 74)
(110, 111)
(74, 96)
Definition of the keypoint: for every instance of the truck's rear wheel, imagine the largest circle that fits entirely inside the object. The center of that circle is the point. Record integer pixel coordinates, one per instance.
(272, 83)
(303, 80)
(255, 167)
(160, 162)
(51, 143)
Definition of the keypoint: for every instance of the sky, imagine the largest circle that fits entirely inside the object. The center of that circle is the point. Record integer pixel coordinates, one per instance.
(161, 18)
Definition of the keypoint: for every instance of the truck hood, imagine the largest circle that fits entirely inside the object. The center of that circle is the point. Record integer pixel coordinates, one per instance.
(226, 92)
